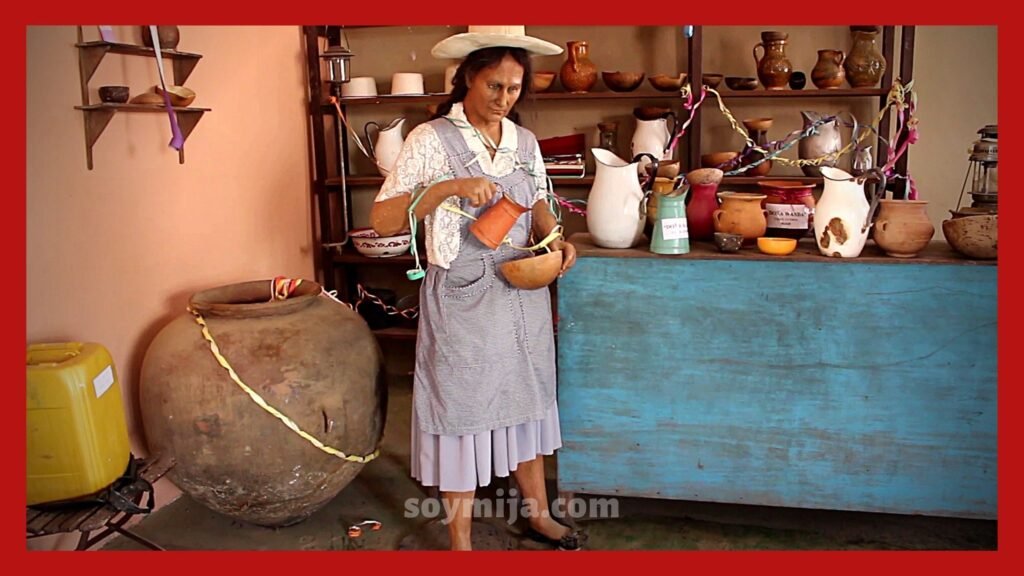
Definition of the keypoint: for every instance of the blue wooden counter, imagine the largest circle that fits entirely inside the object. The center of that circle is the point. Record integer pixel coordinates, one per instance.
(803, 381)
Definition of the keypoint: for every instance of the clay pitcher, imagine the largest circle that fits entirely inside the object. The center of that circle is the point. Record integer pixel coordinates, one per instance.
(615, 214)
(903, 228)
(826, 140)
(703, 202)
(494, 224)
(828, 72)
(741, 213)
(865, 63)
(578, 73)
(388, 144)
(773, 68)
(842, 216)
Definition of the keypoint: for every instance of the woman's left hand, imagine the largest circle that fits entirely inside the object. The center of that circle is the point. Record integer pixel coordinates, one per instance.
(568, 255)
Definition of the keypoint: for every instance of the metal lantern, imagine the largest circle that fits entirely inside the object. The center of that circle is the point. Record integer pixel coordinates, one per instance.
(982, 172)
(338, 62)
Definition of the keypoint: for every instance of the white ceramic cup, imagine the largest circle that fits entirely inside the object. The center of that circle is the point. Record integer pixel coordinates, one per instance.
(407, 83)
(359, 87)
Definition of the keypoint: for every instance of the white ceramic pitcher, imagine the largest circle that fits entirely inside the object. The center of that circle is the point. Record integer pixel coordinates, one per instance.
(651, 137)
(388, 143)
(614, 216)
(842, 217)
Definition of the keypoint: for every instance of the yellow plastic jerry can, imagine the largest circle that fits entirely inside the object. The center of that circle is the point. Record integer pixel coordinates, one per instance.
(76, 430)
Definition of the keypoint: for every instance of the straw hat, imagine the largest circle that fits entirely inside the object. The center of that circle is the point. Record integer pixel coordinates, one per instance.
(459, 45)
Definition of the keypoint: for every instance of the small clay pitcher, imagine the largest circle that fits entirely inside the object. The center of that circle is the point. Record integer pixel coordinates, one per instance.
(903, 228)
(578, 73)
(828, 72)
(773, 68)
(494, 224)
(741, 213)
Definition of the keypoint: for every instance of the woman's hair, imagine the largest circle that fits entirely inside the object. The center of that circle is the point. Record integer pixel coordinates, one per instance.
(479, 60)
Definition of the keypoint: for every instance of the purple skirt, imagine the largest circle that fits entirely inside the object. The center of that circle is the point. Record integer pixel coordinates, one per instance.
(463, 463)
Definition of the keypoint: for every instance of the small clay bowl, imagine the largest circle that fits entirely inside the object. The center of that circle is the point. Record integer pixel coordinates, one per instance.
(666, 83)
(718, 159)
(651, 112)
(622, 81)
(114, 94)
(542, 81)
(740, 82)
(728, 242)
(712, 80)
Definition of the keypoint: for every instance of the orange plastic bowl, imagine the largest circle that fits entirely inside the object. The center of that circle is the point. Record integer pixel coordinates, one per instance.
(776, 246)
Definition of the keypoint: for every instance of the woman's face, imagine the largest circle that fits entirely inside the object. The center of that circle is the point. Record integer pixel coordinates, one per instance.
(493, 91)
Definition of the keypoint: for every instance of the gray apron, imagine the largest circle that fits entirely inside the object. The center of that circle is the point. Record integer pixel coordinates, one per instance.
(485, 355)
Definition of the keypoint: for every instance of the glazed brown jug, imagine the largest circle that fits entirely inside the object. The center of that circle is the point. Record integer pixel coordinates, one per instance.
(864, 64)
(828, 72)
(773, 68)
(578, 73)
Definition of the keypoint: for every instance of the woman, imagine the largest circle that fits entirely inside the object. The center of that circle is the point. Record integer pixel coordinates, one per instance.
(484, 387)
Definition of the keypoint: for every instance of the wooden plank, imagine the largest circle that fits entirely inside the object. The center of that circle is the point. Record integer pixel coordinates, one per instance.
(937, 252)
(786, 383)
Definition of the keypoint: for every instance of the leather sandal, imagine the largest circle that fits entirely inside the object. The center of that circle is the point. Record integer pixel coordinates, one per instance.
(573, 540)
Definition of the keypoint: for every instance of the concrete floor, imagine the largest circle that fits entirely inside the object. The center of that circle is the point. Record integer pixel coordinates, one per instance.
(384, 488)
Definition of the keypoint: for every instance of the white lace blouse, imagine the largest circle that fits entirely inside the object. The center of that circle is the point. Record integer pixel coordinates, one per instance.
(423, 161)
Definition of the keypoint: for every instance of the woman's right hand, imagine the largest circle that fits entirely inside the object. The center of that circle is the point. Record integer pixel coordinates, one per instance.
(478, 190)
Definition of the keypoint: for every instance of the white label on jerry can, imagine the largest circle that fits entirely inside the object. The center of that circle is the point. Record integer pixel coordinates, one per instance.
(674, 228)
(104, 381)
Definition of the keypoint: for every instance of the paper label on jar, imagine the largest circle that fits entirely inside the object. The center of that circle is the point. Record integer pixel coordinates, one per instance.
(674, 228)
(788, 216)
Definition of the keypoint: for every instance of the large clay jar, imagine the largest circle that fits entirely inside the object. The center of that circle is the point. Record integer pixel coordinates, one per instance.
(578, 73)
(741, 213)
(828, 71)
(308, 357)
(703, 202)
(903, 228)
(773, 68)
(825, 140)
(864, 64)
(167, 35)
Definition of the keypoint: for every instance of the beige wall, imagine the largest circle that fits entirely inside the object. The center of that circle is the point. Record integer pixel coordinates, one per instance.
(114, 253)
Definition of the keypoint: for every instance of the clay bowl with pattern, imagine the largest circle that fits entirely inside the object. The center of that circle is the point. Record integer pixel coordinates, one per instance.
(973, 236)
(370, 244)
